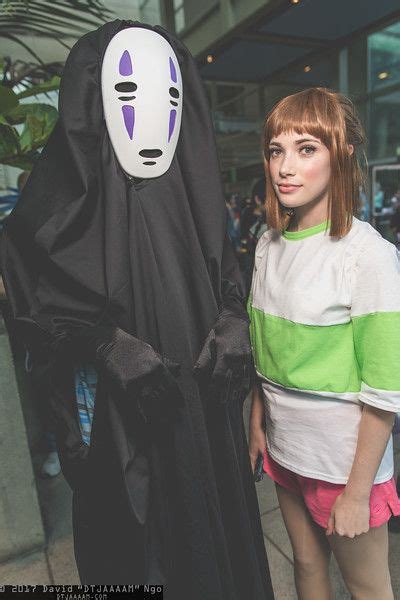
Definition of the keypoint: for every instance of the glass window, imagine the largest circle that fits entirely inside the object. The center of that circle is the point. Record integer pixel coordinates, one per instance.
(384, 126)
(386, 201)
(150, 11)
(179, 15)
(179, 20)
(384, 57)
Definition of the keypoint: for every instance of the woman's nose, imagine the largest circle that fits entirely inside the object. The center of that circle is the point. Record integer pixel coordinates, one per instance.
(287, 166)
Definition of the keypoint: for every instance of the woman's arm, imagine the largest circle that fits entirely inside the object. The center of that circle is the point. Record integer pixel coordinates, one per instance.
(375, 429)
(350, 514)
(257, 407)
(375, 318)
(257, 440)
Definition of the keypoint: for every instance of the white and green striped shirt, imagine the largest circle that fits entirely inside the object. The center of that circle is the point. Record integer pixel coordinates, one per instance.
(325, 331)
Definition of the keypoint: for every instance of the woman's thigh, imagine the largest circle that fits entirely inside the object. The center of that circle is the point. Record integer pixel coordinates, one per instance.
(311, 549)
(363, 562)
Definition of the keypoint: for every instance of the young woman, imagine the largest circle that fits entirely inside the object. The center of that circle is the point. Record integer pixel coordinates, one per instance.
(325, 329)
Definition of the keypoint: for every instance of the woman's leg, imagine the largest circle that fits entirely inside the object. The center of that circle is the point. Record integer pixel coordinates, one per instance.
(311, 550)
(363, 561)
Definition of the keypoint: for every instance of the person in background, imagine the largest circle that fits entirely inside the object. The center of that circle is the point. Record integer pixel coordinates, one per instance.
(364, 209)
(378, 197)
(247, 218)
(259, 225)
(395, 199)
(233, 222)
(325, 330)
(395, 220)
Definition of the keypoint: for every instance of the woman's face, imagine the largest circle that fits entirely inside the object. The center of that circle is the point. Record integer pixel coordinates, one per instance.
(300, 169)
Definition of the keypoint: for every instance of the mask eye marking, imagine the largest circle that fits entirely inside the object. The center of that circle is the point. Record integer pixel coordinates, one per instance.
(174, 92)
(126, 86)
(173, 103)
(172, 70)
(172, 117)
(128, 112)
(125, 64)
(126, 98)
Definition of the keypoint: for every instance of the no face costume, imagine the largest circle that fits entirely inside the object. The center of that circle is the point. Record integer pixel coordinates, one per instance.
(126, 265)
(142, 96)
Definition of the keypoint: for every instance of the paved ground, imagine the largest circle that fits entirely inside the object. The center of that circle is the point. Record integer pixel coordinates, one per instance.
(56, 565)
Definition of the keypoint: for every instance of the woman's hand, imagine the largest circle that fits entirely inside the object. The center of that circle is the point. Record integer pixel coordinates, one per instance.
(257, 444)
(349, 516)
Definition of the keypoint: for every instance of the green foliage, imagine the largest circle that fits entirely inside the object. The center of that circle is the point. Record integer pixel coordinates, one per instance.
(40, 88)
(49, 18)
(46, 18)
(8, 100)
(24, 128)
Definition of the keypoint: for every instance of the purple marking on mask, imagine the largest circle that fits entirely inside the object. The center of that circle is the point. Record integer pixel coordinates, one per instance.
(172, 117)
(125, 64)
(172, 70)
(129, 118)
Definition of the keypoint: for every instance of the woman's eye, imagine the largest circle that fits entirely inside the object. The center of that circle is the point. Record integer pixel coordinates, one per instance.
(274, 152)
(308, 149)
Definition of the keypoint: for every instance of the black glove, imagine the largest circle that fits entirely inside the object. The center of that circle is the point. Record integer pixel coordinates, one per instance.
(226, 354)
(134, 366)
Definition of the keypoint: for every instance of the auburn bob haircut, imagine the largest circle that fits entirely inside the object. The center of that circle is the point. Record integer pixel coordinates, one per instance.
(330, 117)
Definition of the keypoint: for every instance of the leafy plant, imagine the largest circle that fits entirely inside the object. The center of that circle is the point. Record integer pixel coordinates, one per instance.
(55, 20)
(25, 127)
(19, 146)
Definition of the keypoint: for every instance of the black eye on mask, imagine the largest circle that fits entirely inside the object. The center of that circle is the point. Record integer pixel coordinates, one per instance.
(126, 86)
(175, 94)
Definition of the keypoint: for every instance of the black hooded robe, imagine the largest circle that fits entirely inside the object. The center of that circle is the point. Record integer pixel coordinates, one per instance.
(172, 503)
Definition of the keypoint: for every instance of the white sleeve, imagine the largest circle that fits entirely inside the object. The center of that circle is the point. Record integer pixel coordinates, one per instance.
(375, 315)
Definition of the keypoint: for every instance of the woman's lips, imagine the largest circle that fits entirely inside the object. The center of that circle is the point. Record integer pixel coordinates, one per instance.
(288, 188)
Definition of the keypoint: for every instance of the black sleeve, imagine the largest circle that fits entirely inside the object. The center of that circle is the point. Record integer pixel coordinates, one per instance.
(232, 285)
(45, 329)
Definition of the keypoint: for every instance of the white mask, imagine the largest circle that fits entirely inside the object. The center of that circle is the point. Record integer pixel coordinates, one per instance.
(142, 98)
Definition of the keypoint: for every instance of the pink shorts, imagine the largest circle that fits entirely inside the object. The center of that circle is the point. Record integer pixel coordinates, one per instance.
(319, 496)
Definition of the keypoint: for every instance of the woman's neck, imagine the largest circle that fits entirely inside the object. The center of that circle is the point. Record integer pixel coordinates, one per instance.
(308, 216)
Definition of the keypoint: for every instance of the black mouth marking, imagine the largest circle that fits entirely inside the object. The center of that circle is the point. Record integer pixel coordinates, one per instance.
(150, 162)
(150, 152)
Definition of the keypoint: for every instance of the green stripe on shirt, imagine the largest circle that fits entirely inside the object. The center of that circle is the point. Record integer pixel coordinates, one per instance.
(377, 346)
(307, 357)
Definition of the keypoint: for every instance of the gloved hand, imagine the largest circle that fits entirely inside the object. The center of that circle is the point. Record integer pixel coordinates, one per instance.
(226, 355)
(135, 367)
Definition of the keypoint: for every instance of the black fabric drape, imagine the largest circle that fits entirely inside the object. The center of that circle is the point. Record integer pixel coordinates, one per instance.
(88, 248)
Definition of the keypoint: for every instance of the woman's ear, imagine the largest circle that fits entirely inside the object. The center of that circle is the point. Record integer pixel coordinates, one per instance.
(351, 149)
